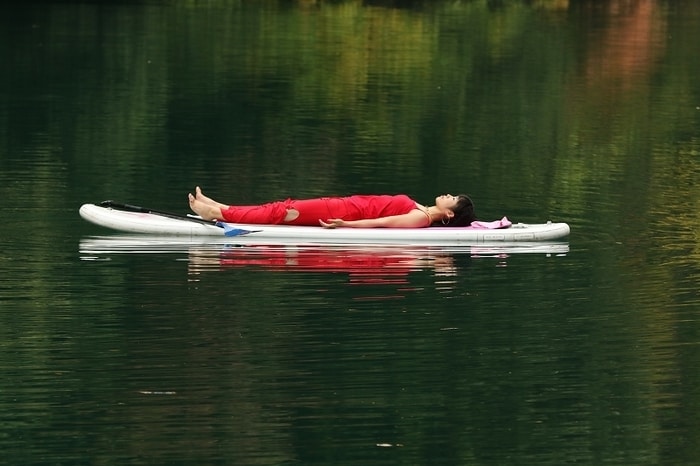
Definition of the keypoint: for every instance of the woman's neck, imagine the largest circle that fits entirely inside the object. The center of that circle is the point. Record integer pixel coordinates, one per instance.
(435, 214)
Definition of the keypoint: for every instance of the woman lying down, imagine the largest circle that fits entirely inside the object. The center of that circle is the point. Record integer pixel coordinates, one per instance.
(358, 211)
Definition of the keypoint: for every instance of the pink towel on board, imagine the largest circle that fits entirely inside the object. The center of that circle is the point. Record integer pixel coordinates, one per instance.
(496, 224)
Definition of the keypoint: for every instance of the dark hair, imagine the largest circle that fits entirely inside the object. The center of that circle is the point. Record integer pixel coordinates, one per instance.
(463, 213)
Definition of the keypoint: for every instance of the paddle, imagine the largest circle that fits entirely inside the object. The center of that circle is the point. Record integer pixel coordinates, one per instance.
(228, 229)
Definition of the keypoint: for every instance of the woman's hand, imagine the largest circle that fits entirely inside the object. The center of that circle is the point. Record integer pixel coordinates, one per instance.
(332, 223)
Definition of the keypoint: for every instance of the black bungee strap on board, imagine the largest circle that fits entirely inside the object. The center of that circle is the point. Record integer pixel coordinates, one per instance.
(229, 230)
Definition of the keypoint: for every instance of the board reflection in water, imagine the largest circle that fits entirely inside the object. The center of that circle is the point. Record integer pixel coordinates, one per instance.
(366, 266)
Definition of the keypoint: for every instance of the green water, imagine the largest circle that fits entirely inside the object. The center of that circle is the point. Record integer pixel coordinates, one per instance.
(575, 111)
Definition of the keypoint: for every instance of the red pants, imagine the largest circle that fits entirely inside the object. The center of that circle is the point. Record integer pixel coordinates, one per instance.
(273, 213)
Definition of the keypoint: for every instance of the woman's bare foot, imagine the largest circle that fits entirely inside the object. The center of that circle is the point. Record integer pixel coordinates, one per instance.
(207, 200)
(204, 210)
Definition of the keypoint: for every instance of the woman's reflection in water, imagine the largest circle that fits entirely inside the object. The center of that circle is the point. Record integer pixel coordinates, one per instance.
(376, 266)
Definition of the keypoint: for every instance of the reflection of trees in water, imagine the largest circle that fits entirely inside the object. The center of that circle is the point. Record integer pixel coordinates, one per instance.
(627, 44)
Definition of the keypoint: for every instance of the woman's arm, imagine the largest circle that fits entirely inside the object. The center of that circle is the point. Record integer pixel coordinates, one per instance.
(414, 219)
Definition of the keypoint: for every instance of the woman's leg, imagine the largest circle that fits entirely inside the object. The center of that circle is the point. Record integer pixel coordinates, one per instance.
(271, 213)
(310, 211)
(204, 210)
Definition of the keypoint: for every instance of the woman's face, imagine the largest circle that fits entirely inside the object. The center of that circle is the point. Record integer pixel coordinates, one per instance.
(446, 201)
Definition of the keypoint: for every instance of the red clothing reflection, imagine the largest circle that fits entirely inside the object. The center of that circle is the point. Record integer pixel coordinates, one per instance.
(362, 267)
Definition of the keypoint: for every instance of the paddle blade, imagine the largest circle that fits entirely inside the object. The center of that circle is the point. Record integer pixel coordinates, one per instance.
(230, 231)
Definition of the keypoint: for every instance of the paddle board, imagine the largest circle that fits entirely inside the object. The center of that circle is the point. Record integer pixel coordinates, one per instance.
(156, 224)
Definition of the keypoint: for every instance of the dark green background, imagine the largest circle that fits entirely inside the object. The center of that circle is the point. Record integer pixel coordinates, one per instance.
(576, 111)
